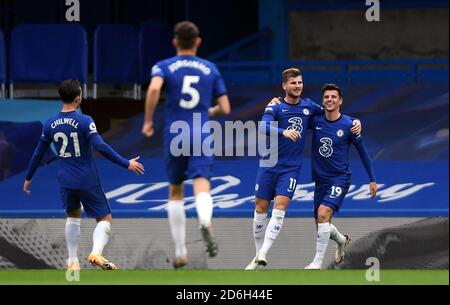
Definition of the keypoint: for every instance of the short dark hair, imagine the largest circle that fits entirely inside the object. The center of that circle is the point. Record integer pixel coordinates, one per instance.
(186, 33)
(69, 90)
(291, 72)
(330, 86)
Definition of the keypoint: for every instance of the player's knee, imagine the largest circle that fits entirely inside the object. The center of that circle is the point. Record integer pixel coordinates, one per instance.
(107, 218)
(176, 192)
(324, 214)
(75, 214)
(261, 205)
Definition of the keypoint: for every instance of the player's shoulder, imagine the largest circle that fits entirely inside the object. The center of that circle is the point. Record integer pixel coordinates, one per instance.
(208, 64)
(272, 106)
(83, 118)
(309, 102)
(348, 120)
(163, 63)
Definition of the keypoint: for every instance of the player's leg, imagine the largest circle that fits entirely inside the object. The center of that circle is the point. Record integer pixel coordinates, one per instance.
(200, 170)
(286, 183)
(274, 227)
(175, 169)
(204, 207)
(327, 199)
(96, 206)
(264, 192)
(342, 241)
(177, 221)
(73, 227)
(324, 214)
(260, 222)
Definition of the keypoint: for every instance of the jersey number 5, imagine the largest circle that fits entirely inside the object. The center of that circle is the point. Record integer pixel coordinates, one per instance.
(187, 88)
(76, 144)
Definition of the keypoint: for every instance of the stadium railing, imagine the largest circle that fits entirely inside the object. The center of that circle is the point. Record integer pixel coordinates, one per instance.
(2, 65)
(338, 71)
(116, 57)
(48, 53)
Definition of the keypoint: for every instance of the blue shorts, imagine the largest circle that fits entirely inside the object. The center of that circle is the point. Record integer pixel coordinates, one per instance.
(331, 193)
(93, 199)
(277, 180)
(183, 168)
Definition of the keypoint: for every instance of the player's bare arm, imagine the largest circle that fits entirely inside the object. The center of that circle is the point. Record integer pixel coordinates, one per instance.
(152, 98)
(26, 187)
(373, 189)
(291, 134)
(357, 127)
(222, 108)
(136, 167)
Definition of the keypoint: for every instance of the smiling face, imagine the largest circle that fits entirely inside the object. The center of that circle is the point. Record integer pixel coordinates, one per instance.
(293, 86)
(331, 100)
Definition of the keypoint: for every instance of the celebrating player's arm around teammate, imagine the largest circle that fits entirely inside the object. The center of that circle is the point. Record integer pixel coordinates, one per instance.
(278, 181)
(192, 84)
(74, 136)
(331, 172)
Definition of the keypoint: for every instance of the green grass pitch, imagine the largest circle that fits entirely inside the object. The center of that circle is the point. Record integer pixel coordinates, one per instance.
(223, 277)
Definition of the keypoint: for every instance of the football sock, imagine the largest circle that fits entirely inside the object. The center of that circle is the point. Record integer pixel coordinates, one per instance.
(101, 236)
(72, 233)
(177, 221)
(336, 235)
(260, 221)
(323, 237)
(273, 228)
(204, 207)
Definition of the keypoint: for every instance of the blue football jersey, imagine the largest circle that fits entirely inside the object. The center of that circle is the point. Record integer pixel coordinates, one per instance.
(292, 117)
(70, 132)
(191, 85)
(330, 147)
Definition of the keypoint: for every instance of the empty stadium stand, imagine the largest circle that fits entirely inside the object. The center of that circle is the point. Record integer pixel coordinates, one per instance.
(115, 57)
(48, 53)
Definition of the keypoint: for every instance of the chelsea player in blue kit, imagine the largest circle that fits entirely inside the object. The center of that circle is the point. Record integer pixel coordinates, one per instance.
(331, 172)
(74, 136)
(191, 85)
(278, 181)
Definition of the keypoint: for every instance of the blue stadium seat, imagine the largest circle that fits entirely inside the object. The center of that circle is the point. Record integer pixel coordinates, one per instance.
(2, 65)
(155, 43)
(115, 56)
(48, 53)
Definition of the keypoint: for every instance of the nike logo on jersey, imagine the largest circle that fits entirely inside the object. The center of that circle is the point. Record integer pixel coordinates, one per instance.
(318, 128)
(284, 110)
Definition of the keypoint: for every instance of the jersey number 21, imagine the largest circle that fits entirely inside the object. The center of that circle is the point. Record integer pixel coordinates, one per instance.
(65, 141)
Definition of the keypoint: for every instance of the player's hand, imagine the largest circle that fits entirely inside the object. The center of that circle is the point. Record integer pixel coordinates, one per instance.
(147, 129)
(291, 134)
(275, 100)
(356, 129)
(373, 189)
(26, 187)
(136, 167)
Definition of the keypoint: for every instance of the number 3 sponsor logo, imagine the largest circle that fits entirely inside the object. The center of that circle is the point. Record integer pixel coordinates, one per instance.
(326, 149)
